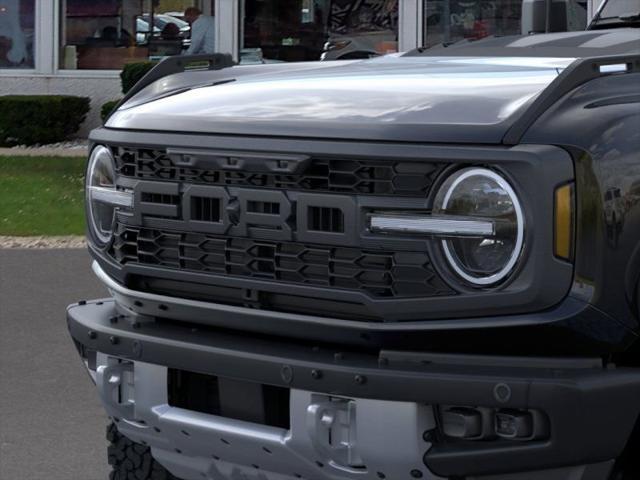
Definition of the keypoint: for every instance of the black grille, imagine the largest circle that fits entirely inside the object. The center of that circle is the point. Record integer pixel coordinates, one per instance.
(377, 273)
(205, 209)
(268, 208)
(160, 198)
(325, 219)
(406, 178)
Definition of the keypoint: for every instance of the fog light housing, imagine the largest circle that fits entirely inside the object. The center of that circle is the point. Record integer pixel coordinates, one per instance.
(481, 194)
(514, 424)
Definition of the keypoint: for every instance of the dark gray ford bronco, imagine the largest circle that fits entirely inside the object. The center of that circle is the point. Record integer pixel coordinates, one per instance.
(421, 266)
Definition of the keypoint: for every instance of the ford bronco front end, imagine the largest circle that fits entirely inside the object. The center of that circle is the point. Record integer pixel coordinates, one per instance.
(395, 268)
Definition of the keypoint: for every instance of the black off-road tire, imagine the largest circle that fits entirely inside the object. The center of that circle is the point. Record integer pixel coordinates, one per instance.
(132, 461)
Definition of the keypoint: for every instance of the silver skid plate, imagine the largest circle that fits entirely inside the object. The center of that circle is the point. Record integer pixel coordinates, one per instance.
(331, 437)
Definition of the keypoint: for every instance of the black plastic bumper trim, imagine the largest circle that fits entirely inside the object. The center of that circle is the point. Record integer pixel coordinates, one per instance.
(591, 410)
(589, 331)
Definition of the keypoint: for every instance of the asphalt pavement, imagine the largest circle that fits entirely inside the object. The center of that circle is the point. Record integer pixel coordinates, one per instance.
(52, 426)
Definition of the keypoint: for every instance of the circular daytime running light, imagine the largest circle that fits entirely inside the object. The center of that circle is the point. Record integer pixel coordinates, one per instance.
(479, 193)
(100, 194)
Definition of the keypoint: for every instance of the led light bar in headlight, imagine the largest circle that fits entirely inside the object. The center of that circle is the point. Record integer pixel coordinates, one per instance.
(111, 197)
(429, 225)
(103, 197)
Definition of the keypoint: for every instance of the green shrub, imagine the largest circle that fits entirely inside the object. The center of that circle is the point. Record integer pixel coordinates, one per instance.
(133, 72)
(40, 119)
(107, 108)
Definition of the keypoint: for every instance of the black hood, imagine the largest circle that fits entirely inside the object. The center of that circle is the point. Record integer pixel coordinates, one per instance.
(417, 98)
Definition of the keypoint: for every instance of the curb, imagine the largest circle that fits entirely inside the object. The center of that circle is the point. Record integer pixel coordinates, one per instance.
(44, 152)
(42, 242)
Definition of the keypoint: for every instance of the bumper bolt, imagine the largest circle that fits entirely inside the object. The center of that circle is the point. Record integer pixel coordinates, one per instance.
(428, 436)
(92, 335)
(360, 379)
(286, 373)
(416, 473)
(316, 374)
(502, 392)
(114, 340)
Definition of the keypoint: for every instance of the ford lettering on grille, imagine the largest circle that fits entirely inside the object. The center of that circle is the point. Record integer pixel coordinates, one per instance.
(249, 213)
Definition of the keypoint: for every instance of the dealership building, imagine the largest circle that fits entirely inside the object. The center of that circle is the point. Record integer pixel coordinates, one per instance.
(79, 47)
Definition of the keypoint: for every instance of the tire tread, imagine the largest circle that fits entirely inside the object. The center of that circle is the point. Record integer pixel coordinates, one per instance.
(132, 461)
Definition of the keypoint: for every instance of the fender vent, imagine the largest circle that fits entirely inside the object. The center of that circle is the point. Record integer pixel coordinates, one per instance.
(325, 219)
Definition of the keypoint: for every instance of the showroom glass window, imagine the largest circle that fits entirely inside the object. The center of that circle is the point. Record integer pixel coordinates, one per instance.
(450, 21)
(303, 30)
(107, 34)
(17, 33)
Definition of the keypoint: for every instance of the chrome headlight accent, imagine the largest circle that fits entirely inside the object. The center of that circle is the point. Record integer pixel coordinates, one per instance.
(102, 196)
(480, 193)
(429, 225)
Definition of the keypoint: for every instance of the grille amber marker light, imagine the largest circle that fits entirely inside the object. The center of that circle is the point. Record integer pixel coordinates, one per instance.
(563, 217)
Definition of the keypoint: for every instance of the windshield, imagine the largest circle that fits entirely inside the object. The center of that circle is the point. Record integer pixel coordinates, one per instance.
(617, 14)
(618, 8)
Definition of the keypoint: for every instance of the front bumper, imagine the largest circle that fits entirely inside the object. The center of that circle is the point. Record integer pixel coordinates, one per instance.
(591, 411)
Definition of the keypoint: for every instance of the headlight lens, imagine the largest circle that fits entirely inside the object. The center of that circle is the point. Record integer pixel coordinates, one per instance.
(102, 195)
(479, 193)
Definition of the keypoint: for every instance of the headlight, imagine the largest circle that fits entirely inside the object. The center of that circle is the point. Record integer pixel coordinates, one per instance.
(481, 194)
(102, 195)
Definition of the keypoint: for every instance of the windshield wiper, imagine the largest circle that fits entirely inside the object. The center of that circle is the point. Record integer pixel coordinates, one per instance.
(623, 20)
(629, 17)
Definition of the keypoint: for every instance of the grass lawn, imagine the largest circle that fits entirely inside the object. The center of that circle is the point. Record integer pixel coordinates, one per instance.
(41, 196)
